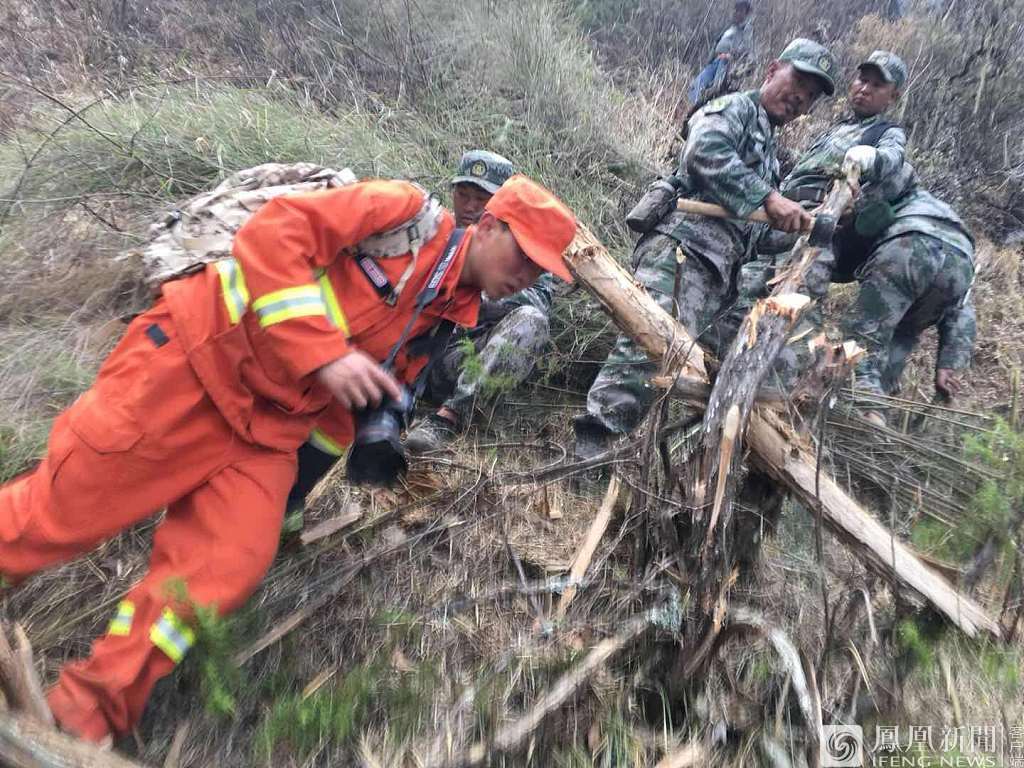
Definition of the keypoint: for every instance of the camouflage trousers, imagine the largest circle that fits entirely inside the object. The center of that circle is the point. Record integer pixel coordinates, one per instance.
(622, 394)
(907, 285)
(506, 352)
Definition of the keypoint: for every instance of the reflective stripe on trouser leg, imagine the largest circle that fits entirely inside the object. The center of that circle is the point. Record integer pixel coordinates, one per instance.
(172, 636)
(121, 624)
(218, 541)
(323, 442)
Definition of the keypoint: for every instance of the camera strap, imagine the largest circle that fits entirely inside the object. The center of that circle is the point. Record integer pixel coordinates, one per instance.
(428, 294)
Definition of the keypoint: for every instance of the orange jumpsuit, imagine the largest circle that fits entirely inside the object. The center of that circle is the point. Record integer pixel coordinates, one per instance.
(200, 409)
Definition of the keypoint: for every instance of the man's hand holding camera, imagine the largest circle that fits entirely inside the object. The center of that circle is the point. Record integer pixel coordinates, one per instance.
(356, 380)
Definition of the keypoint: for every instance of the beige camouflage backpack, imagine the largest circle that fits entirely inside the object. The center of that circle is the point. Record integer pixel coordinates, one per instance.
(201, 230)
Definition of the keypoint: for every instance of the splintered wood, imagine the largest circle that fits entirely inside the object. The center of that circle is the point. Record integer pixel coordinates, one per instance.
(762, 335)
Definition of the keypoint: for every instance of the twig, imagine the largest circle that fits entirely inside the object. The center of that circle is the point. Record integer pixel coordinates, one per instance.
(173, 759)
(684, 757)
(814, 723)
(327, 594)
(331, 526)
(514, 734)
(587, 548)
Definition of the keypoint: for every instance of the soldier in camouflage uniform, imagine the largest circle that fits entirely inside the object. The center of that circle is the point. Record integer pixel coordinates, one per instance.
(729, 159)
(919, 274)
(510, 335)
(870, 141)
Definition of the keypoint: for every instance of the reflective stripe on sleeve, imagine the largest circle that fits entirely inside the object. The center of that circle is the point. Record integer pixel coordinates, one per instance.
(233, 288)
(289, 303)
(172, 636)
(334, 312)
(121, 624)
(322, 442)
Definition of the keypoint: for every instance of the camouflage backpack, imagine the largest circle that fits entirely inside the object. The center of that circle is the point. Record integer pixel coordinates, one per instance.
(202, 230)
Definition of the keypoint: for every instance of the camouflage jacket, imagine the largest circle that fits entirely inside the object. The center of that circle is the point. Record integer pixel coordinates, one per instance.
(737, 40)
(919, 212)
(822, 162)
(730, 159)
(538, 296)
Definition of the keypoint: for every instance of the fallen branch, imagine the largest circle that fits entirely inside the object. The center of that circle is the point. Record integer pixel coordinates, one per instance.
(331, 526)
(331, 592)
(587, 548)
(789, 460)
(661, 336)
(173, 759)
(514, 734)
(684, 757)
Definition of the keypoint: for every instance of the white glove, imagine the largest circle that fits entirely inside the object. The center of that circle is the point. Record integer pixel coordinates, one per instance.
(861, 156)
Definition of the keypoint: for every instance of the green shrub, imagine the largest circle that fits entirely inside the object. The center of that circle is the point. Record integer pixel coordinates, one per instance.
(993, 508)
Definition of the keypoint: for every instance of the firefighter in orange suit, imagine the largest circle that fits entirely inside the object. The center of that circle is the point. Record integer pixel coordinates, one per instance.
(202, 405)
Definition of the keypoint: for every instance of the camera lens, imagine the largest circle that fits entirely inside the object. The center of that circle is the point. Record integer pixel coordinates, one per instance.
(377, 456)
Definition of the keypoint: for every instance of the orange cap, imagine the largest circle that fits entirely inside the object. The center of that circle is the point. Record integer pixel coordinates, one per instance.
(540, 222)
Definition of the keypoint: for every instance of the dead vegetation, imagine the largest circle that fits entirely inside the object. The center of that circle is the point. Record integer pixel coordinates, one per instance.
(444, 622)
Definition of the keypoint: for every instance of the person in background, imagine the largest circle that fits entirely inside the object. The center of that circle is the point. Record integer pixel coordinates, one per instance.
(732, 55)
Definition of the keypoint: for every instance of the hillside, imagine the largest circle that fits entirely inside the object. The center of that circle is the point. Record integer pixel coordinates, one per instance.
(425, 627)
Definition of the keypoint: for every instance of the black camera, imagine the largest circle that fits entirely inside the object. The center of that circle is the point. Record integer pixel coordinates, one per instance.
(376, 456)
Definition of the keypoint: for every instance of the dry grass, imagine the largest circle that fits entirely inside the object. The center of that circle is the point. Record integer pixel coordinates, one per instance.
(435, 635)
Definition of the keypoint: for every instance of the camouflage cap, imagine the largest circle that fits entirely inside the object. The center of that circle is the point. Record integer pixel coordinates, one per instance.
(485, 169)
(889, 64)
(812, 58)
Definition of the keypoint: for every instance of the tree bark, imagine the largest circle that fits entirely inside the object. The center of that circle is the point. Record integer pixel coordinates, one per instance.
(639, 316)
(18, 678)
(24, 743)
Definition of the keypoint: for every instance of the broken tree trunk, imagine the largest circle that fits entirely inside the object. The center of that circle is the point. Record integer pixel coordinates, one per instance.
(28, 737)
(760, 339)
(654, 329)
(780, 452)
(25, 743)
(18, 678)
(790, 460)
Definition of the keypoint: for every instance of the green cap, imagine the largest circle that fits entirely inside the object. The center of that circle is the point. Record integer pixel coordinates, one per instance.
(485, 169)
(812, 58)
(889, 64)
